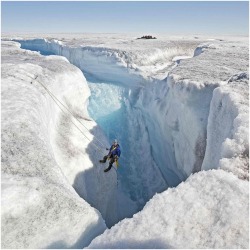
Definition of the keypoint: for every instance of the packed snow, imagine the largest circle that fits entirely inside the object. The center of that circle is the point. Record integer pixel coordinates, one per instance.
(177, 105)
(43, 156)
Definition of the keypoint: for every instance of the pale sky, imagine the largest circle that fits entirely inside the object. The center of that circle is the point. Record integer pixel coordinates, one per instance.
(198, 17)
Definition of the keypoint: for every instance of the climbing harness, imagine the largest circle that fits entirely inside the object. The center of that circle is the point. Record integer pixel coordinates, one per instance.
(117, 163)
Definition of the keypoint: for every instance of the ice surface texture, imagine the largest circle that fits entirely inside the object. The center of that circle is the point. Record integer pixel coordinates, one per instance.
(209, 210)
(194, 119)
(40, 208)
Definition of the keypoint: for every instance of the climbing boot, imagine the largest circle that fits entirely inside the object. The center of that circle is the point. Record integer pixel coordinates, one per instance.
(101, 161)
(107, 169)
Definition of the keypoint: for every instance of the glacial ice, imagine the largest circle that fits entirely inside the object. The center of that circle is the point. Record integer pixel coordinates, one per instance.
(40, 208)
(174, 115)
(208, 210)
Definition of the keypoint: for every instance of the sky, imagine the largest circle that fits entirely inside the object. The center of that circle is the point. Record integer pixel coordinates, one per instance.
(176, 17)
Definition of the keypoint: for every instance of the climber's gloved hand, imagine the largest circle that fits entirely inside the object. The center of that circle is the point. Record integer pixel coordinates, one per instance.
(107, 148)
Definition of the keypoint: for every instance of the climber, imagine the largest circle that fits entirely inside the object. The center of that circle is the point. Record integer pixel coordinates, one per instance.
(113, 155)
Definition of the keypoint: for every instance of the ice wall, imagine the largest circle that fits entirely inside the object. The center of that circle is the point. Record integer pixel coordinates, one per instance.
(228, 123)
(104, 63)
(43, 155)
(179, 115)
(178, 109)
(191, 87)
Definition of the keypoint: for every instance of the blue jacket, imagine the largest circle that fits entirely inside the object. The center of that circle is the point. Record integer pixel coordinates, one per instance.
(115, 150)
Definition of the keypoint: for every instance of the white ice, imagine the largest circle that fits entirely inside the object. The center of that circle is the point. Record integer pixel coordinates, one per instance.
(177, 105)
(209, 210)
(228, 145)
(44, 155)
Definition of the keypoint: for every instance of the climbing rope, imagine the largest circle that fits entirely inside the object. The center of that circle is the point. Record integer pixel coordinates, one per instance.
(55, 99)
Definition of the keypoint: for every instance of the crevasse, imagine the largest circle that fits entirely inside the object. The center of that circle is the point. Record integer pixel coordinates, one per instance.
(161, 125)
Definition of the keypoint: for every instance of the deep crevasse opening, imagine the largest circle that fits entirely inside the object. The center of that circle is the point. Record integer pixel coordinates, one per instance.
(112, 106)
(115, 104)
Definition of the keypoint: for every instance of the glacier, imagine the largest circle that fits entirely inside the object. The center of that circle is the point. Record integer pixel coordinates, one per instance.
(40, 207)
(178, 106)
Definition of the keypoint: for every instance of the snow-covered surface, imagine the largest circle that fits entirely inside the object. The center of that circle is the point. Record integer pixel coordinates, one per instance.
(118, 55)
(43, 155)
(209, 210)
(177, 105)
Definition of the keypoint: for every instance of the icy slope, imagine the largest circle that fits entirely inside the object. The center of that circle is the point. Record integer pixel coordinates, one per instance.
(43, 155)
(209, 210)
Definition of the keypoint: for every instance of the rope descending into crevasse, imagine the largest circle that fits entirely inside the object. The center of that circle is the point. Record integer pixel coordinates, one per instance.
(57, 101)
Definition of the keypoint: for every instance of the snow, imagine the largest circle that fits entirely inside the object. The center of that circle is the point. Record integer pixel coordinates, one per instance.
(177, 106)
(117, 56)
(43, 155)
(209, 210)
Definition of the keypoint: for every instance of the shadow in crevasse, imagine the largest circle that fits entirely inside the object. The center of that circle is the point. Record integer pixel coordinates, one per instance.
(94, 185)
(84, 240)
(155, 243)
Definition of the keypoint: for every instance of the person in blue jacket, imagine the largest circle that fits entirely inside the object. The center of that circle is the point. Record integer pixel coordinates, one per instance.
(113, 155)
